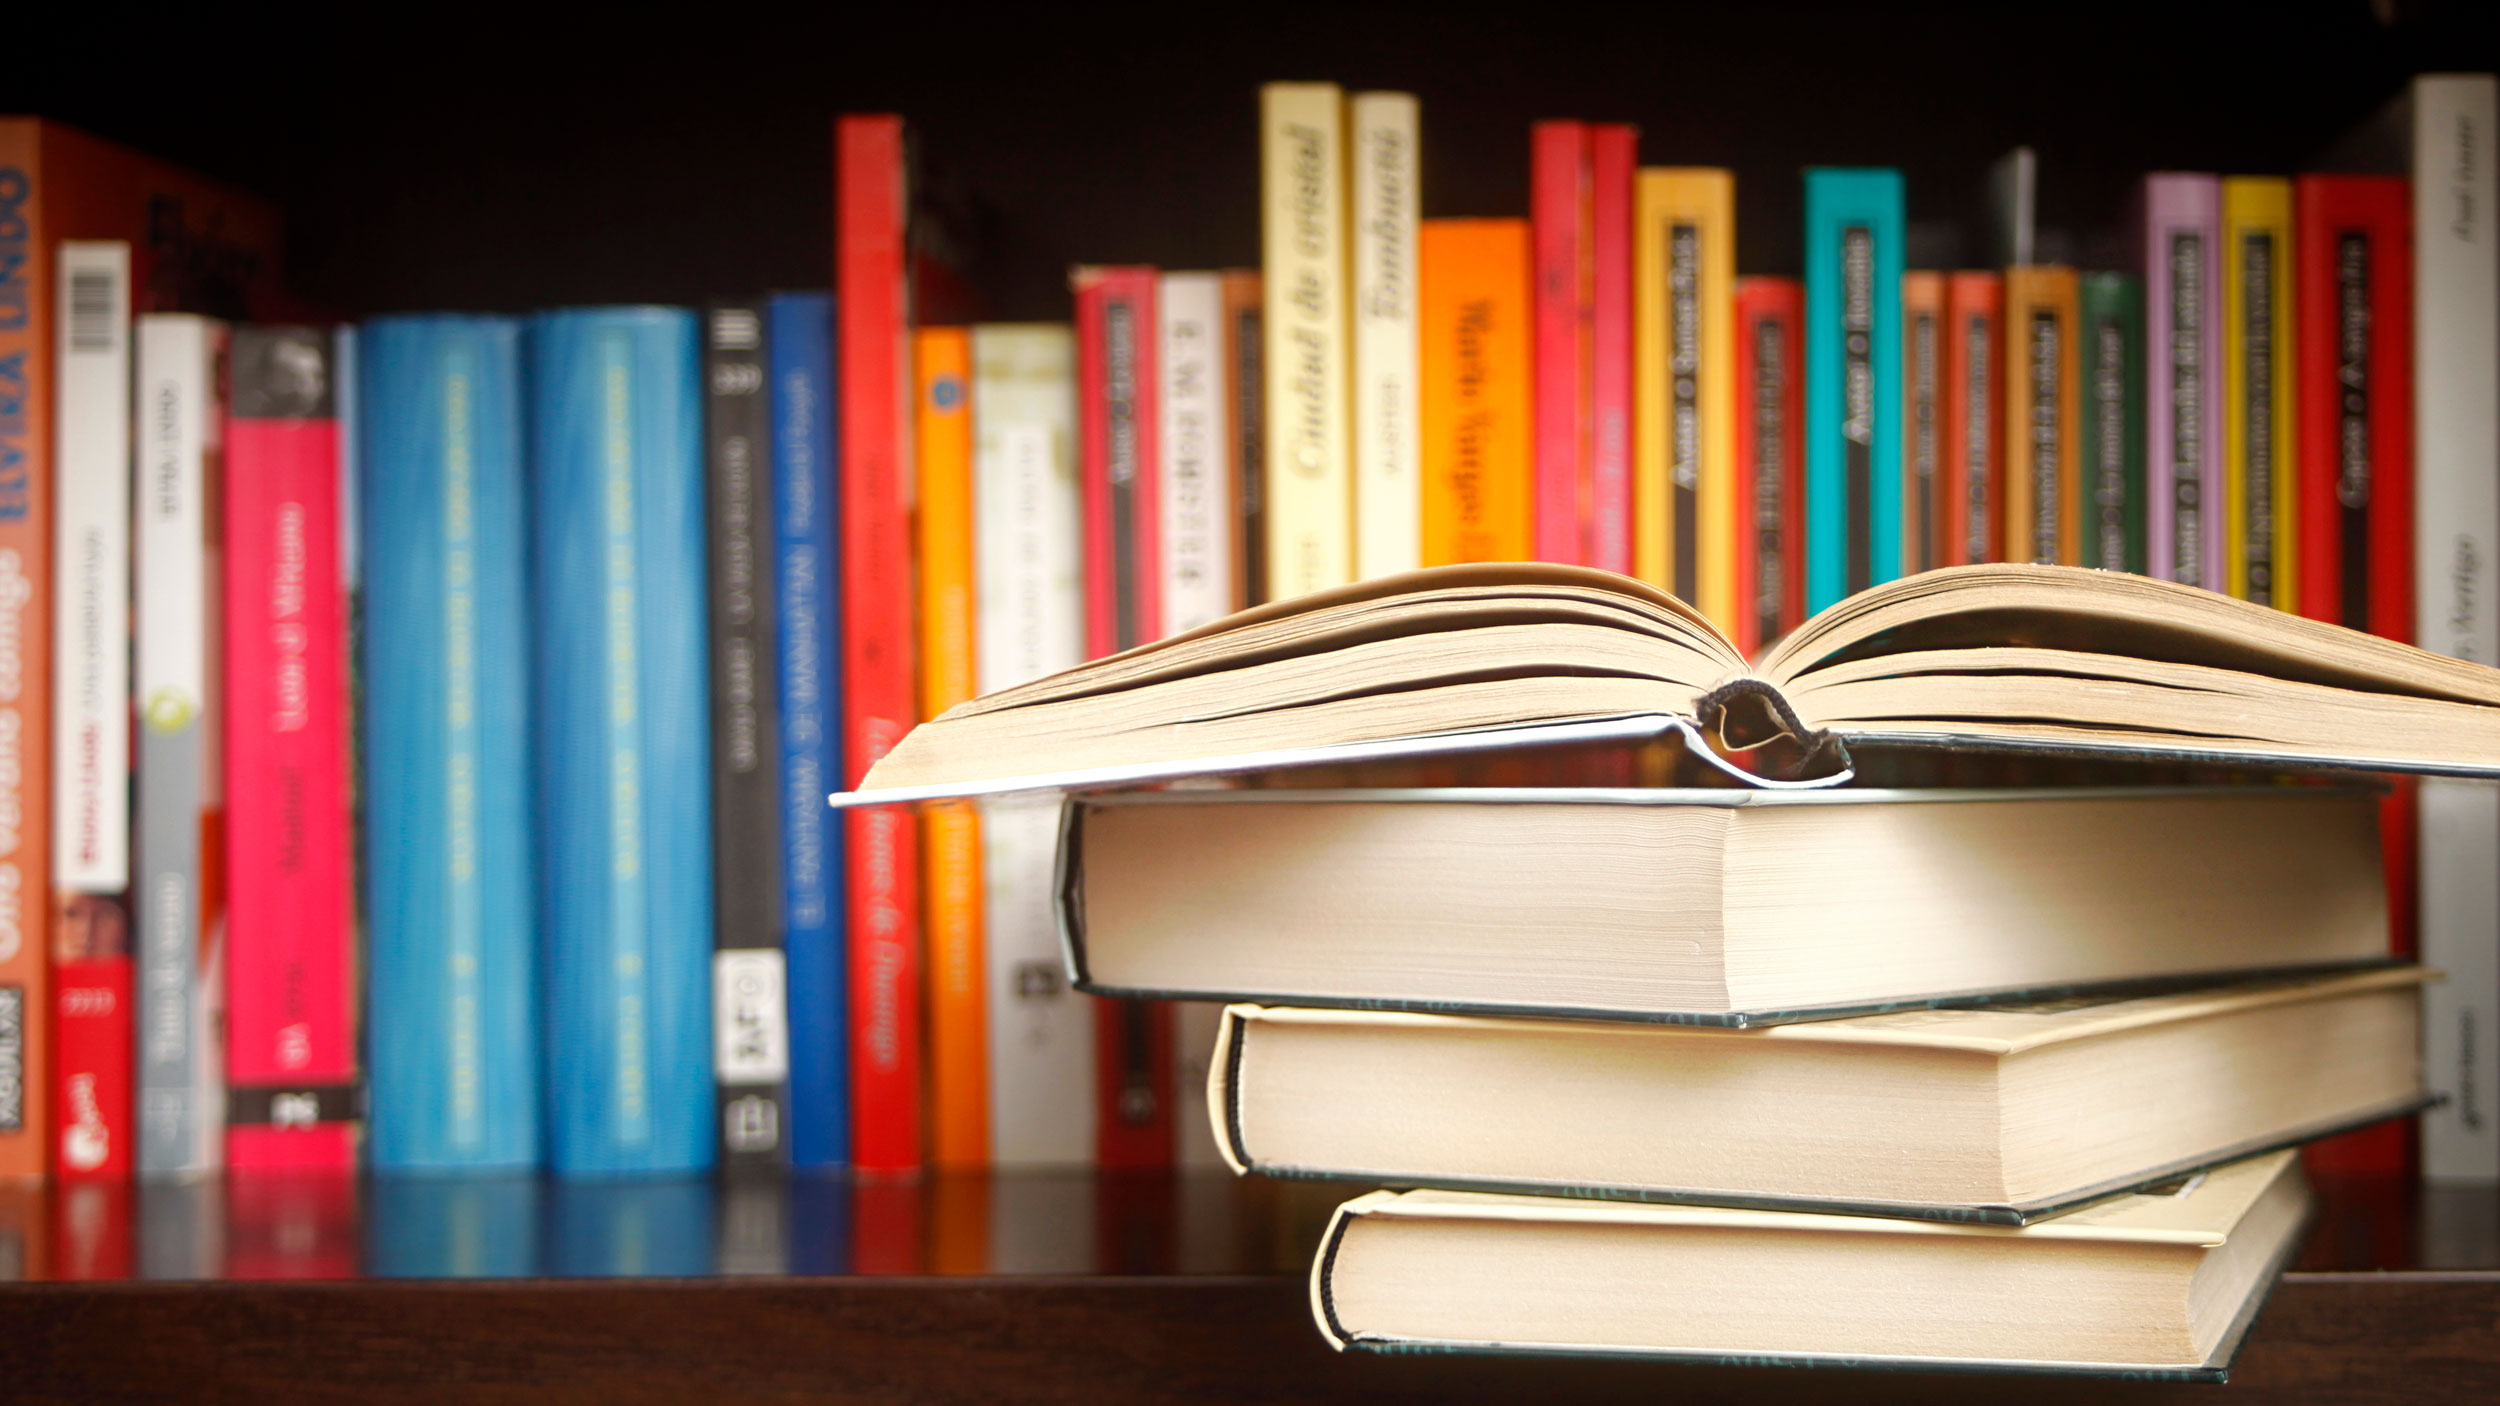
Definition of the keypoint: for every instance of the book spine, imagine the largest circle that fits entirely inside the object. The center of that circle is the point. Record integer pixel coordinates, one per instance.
(1922, 386)
(1614, 156)
(451, 973)
(1196, 570)
(873, 360)
(1031, 623)
(2043, 499)
(622, 719)
(293, 1095)
(1974, 400)
(1853, 382)
(799, 327)
(1309, 482)
(1685, 497)
(2259, 419)
(1386, 139)
(2456, 517)
(950, 834)
(2182, 241)
(1559, 194)
(1769, 458)
(180, 908)
(2110, 425)
(1245, 416)
(1477, 344)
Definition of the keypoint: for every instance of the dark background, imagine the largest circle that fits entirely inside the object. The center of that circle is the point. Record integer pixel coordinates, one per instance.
(505, 159)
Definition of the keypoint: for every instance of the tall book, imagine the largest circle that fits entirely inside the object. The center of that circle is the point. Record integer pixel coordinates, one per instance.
(180, 824)
(873, 358)
(1309, 484)
(195, 246)
(1193, 432)
(1559, 215)
(1922, 401)
(1974, 403)
(2043, 488)
(799, 329)
(1614, 159)
(1853, 381)
(1029, 561)
(1684, 373)
(1245, 415)
(750, 1022)
(1770, 462)
(452, 971)
(2109, 428)
(622, 732)
(293, 1089)
(950, 835)
(2181, 248)
(1478, 344)
(1385, 154)
(2260, 423)
(92, 1032)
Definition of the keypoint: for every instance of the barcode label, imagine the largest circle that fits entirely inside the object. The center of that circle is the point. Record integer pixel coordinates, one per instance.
(94, 324)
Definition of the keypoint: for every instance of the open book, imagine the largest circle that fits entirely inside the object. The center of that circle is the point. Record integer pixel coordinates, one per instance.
(2029, 658)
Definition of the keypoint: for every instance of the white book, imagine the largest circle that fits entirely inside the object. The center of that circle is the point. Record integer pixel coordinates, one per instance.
(180, 1091)
(1309, 487)
(1386, 157)
(91, 574)
(1195, 434)
(1029, 549)
(2456, 516)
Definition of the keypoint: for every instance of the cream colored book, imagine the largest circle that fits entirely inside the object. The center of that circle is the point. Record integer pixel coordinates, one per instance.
(1310, 482)
(2001, 1114)
(1387, 149)
(2163, 1284)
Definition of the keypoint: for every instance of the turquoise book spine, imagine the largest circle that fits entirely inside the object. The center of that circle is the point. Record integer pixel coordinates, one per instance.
(1853, 381)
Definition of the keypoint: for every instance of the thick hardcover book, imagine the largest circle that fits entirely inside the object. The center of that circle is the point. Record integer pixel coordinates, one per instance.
(1770, 525)
(91, 968)
(2043, 487)
(294, 1095)
(1614, 156)
(799, 327)
(1245, 447)
(1308, 488)
(1558, 204)
(622, 729)
(1684, 499)
(452, 974)
(750, 1019)
(1853, 381)
(1193, 430)
(180, 827)
(1030, 624)
(2260, 422)
(950, 835)
(1477, 416)
(2181, 248)
(2109, 429)
(873, 357)
(1974, 402)
(1922, 403)
(195, 246)
(1384, 139)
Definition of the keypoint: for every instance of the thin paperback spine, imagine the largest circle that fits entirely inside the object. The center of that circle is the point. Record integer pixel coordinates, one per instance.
(2110, 422)
(950, 833)
(1192, 435)
(1685, 492)
(1974, 401)
(1245, 391)
(1770, 461)
(2259, 420)
(1386, 146)
(1478, 391)
(1558, 204)
(2181, 250)
(1922, 402)
(1614, 156)
(1308, 489)
(1853, 382)
(2042, 487)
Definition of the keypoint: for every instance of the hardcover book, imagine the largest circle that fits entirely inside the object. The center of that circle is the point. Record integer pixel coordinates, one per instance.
(1922, 400)
(1853, 381)
(1477, 430)
(1385, 152)
(1974, 404)
(950, 835)
(2109, 428)
(2260, 422)
(1306, 362)
(2043, 484)
(1770, 462)
(2181, 244)
(1685, 535)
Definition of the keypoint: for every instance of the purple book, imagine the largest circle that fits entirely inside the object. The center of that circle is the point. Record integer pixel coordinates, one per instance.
(2182, 234)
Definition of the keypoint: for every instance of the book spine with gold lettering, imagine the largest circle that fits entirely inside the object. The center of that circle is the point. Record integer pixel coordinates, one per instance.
(2043, 490)
(2260, 464)
(1684, 482)
(1309, 489)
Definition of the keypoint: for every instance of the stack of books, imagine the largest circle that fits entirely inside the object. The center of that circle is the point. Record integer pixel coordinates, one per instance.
(1789, 1069)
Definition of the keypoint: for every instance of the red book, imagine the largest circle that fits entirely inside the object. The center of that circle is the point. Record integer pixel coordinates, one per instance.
(93, 1041)
(2353, 304)
(291, 993)
(1560, 217)
(872, 310)
(1614, 155)
(1770, 461)
(1969, 468)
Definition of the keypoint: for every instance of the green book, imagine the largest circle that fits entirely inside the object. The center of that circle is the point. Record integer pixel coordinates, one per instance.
(2113, 418)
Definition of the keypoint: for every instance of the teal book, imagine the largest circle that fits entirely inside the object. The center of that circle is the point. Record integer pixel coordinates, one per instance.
(1853, 381)
(2111, 308)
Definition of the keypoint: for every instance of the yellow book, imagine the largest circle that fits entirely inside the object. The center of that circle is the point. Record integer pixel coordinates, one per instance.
(2259, 464)
(2043, 483)
(1684, 366)
(1477, 343)
(1310, 480)
(950, 834)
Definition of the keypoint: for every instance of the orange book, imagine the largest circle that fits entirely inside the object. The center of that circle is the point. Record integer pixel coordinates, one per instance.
(1474, 321)
(2043, 483)
(950, 855)
(1922, 400)
(1974, 401)
(195, 246)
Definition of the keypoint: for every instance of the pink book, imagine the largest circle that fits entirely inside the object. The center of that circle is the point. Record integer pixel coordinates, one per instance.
(1558, 203)
(291, 1070)
(2182, 249)
(1614, 152)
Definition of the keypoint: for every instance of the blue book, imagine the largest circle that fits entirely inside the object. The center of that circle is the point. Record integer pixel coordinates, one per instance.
(1853, 381)
(451, 984)
(800, 336)
(623, 730)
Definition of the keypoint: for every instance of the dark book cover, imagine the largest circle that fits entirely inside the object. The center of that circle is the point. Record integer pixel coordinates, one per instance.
(2111, 429)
